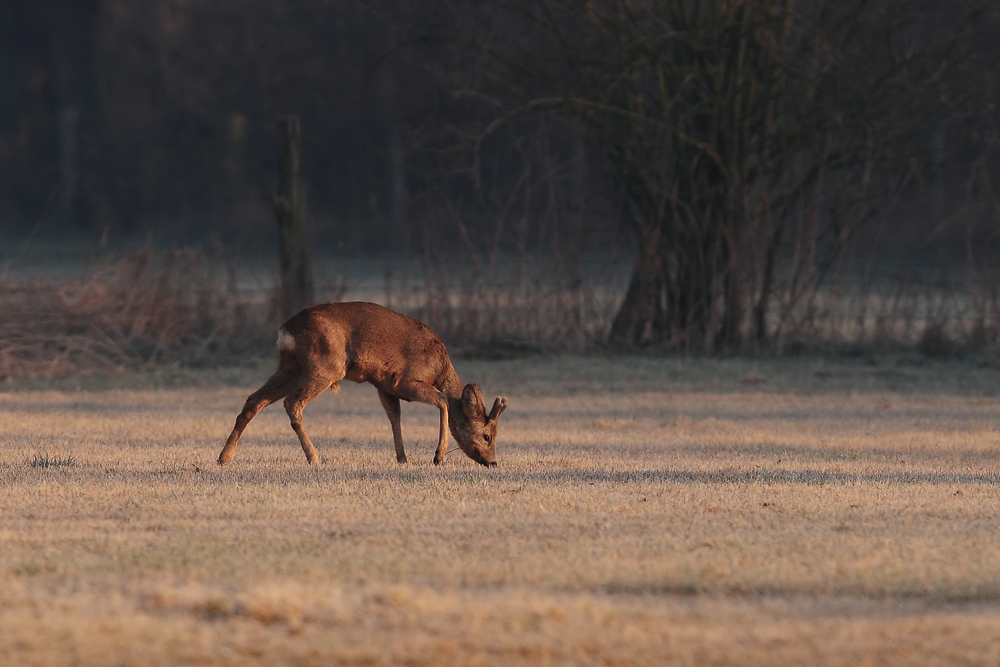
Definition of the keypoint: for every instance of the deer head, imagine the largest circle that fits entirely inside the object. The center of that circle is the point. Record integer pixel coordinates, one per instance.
(474, 430)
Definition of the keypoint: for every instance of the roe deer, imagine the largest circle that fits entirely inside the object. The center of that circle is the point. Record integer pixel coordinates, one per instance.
(365, 342)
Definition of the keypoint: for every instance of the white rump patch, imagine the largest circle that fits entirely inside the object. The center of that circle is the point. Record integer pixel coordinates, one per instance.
(285, 341)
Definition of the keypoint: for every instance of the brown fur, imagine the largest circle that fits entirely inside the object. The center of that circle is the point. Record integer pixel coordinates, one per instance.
(365, 342)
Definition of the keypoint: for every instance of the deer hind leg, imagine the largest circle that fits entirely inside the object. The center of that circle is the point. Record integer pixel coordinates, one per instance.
(391, 405)
(276, 388)
(304, 391)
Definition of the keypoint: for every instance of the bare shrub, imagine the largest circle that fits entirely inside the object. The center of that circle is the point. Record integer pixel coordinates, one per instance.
(140, 308)
(935, 342)
(506, 316)
(185, 307)
(42, 336)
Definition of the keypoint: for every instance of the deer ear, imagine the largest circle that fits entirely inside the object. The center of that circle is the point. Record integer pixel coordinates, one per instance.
(473, 404)
(499, 406)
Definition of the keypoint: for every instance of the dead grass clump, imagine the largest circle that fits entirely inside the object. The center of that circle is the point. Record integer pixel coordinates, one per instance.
(144, 307)
(47, 461)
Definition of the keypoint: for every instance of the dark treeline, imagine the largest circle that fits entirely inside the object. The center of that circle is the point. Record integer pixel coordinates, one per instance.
(160, 116)
(741, 148)
(157, 119)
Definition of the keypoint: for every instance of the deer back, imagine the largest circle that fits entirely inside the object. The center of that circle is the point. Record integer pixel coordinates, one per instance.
(367, 342)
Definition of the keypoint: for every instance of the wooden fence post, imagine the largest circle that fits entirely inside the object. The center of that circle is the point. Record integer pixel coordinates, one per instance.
(296, 276)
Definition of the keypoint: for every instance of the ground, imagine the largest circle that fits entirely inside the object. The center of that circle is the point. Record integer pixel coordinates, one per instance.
(645, 511)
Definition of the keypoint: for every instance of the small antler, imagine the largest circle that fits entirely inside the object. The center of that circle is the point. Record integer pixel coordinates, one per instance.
(499, 406)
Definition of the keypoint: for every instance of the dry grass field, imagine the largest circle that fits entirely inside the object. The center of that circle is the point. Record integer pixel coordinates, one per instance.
(645, 511)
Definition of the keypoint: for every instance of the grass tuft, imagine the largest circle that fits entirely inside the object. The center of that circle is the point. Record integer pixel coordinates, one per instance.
(46, 461)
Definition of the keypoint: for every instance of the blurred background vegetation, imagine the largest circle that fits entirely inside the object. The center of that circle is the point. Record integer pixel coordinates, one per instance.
(681, 176)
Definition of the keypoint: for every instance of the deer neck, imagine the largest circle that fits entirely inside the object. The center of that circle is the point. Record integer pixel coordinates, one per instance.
(451, 386)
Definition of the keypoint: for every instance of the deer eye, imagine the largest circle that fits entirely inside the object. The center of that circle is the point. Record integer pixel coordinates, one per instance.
(486, 437)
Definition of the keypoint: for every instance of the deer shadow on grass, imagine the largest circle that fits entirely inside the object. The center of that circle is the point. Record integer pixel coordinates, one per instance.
(578, 476)
(763, 476)
(258, 476)
(752, 454)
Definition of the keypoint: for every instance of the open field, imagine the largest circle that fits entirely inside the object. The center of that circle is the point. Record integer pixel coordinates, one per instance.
(645, 511)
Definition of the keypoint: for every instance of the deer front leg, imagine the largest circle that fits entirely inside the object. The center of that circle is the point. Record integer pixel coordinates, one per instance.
(391, 405)
(425, 393)
(442, 447)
